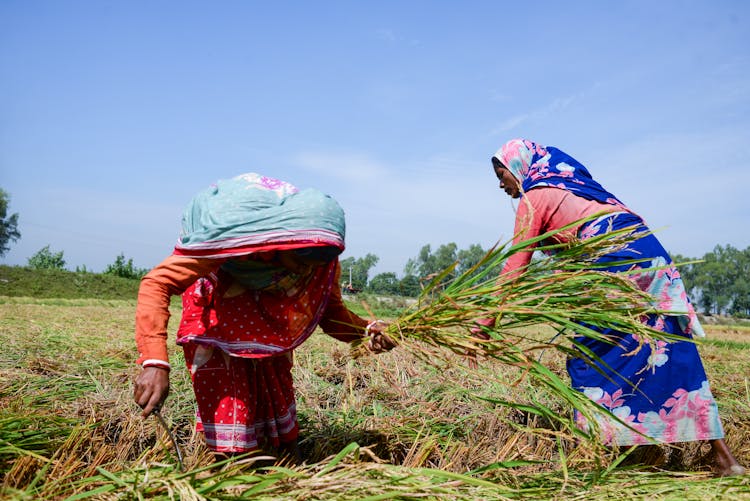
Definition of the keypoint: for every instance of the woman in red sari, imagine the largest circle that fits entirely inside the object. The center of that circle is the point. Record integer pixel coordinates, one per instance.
(257, 267)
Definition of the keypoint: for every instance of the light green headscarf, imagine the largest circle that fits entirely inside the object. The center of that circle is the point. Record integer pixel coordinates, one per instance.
(252, 213)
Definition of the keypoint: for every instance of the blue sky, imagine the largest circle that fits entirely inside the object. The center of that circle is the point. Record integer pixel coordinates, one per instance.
(113, 114)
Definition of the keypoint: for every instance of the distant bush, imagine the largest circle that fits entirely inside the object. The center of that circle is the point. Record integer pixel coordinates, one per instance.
(45, 259)
(125, 269)
(381, 306)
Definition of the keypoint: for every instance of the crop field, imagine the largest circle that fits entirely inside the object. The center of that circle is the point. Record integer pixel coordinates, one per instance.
(392, 426)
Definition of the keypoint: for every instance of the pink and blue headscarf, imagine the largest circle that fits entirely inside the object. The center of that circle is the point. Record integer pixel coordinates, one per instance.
(534, 165)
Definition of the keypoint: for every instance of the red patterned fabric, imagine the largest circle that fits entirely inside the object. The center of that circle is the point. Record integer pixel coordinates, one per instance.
(243, 403)
(254, 323)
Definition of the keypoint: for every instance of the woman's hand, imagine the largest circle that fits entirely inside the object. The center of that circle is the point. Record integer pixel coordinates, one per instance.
(379, 341)
(478, 331)
(151, 389)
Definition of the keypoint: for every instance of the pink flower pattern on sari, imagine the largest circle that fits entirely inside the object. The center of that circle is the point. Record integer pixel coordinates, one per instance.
(663, 281)
(685, 416)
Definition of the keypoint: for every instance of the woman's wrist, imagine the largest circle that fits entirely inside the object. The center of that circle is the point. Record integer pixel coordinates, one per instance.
(159, 364)
(368, 328)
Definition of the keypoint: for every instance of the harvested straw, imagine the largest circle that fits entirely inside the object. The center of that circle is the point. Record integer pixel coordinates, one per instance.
(566, 291)
(345, 477)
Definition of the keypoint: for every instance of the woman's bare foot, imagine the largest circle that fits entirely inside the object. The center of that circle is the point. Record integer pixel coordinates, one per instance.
(726, 464)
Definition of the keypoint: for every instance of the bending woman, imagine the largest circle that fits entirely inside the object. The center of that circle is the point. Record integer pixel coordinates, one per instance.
(257, 267)
(662, 393)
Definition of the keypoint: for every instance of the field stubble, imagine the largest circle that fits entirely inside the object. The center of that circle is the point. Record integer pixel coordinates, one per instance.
(69, 427)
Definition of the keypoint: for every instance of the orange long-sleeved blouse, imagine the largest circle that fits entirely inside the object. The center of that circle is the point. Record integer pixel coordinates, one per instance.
(176, 273)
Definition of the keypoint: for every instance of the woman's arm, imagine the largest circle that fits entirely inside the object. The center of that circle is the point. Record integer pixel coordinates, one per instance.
(169, 278)
(341, 323)
(338, 321)
(527, 226)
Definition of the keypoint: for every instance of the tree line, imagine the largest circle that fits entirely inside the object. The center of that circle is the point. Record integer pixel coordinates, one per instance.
(718, 282)
(418, 271)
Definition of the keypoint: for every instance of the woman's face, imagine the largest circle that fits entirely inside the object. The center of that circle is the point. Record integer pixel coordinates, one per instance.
(508, 181)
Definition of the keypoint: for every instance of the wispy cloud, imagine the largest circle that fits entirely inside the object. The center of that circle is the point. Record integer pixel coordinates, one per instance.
(386, 34)
(357, 167)
(690, 185)
(391, 37)
(510, 124)
(392, 210)
(557, 105)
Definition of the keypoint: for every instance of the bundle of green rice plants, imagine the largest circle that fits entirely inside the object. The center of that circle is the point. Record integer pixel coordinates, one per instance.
(567, 291)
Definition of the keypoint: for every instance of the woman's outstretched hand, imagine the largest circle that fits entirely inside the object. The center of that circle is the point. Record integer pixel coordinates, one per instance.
(151, 389)
(478, 331)
(481, 323)
(379, 341)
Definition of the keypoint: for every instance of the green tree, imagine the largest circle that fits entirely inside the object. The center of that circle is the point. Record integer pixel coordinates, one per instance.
(428, 264)
(384, 283)
(741, 298)
(741, 284)
(355, 271)
(124, 269)
(45, 259)
(8, 224)
(720, 280)
(409, 286)
(469, 258)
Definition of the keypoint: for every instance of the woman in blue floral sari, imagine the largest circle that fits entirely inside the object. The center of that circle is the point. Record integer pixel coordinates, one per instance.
(660, 391)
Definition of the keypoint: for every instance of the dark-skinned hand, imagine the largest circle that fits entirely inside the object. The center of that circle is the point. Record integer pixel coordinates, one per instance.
(379, 341)
(151, 389)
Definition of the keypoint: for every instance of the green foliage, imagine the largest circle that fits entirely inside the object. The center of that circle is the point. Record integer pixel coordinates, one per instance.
(18, 281)
(409, 286)
(355, 271)
(125, 269)
(8, 224)
(70, 430)
(428, 265)
(369, 305)
(45, 259)
(741, 301)
(566, 292)
(384, 283)
(469, 258)
(719, 280)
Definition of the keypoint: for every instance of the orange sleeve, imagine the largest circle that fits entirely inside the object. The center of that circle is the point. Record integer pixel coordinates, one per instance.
(169, 278)
(338, 321)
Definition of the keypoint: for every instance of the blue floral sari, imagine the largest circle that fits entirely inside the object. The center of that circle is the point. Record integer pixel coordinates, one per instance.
(660, 391)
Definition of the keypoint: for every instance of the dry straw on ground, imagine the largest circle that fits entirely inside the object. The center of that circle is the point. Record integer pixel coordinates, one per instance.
(414, 423)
